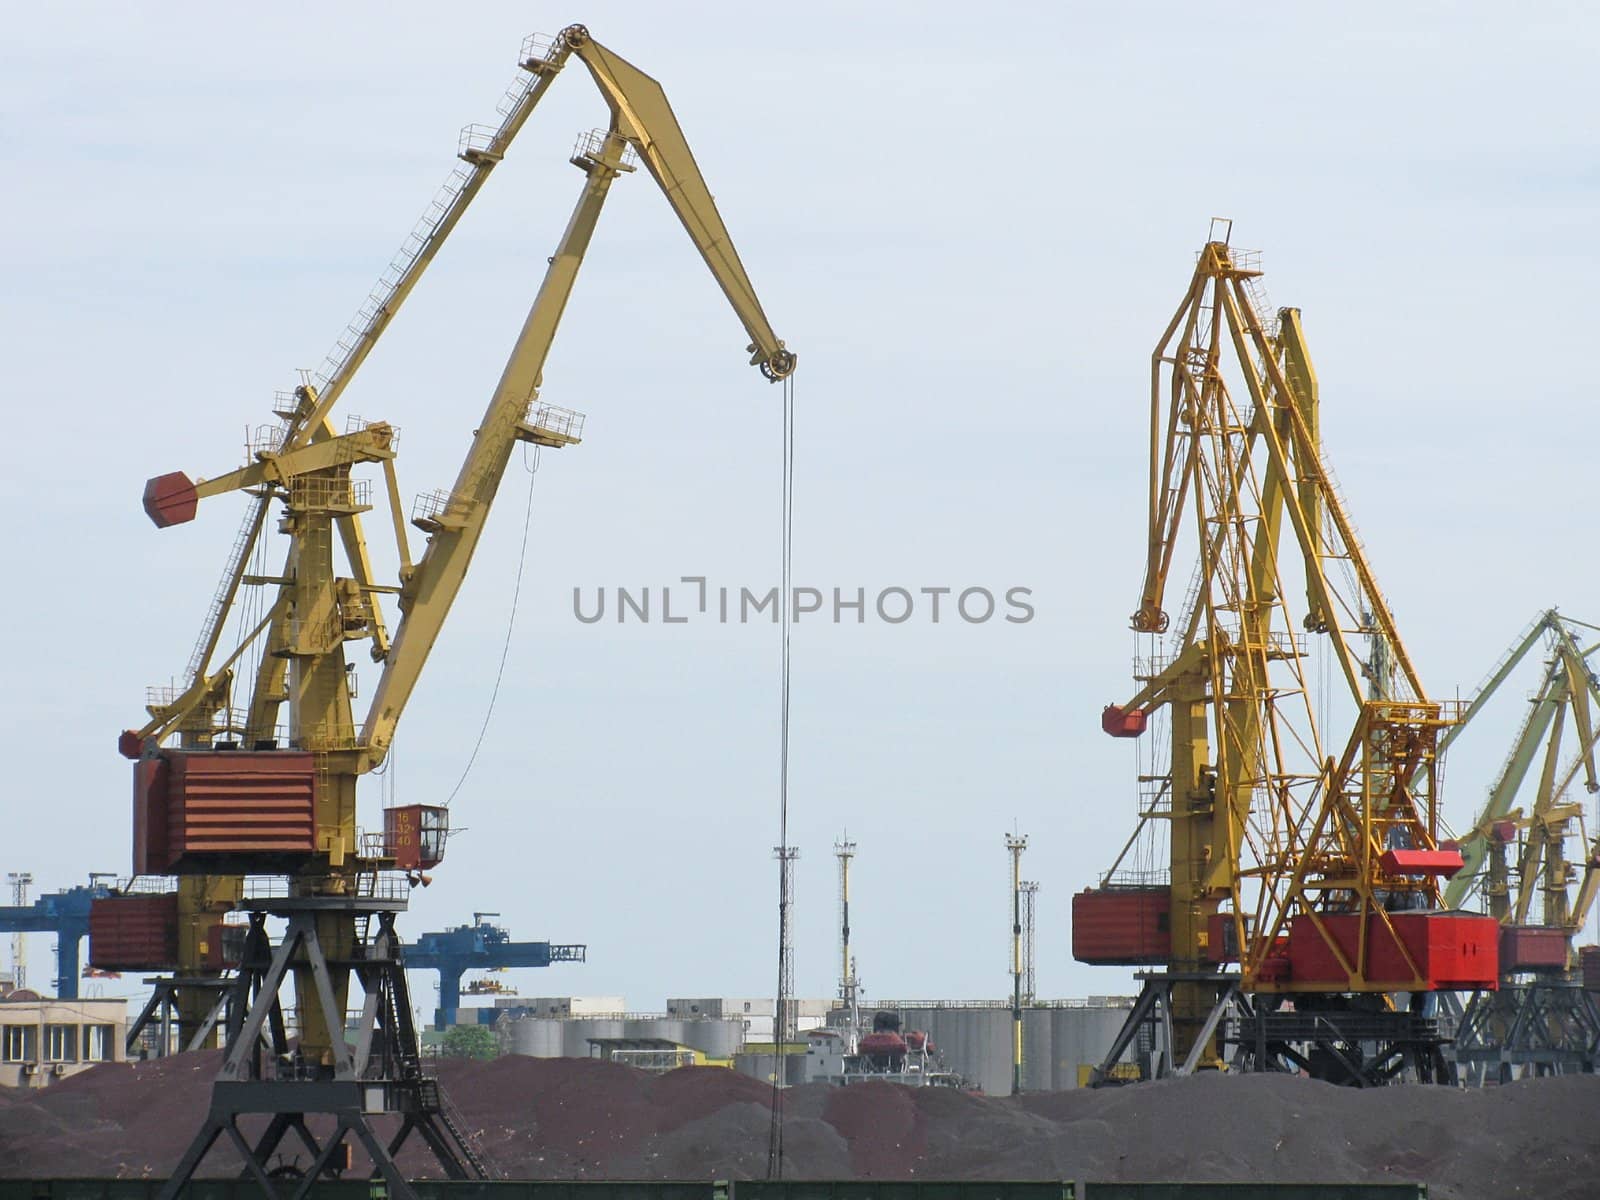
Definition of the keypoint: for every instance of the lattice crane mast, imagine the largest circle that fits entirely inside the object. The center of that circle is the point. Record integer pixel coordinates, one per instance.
(223, 791)
(1540, 1020)
(1313, 865)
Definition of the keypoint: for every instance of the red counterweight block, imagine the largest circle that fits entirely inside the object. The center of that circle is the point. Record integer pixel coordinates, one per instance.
(170, 499)
(134, 933)
(1122, 926)
(211, 811)
(1532, 947)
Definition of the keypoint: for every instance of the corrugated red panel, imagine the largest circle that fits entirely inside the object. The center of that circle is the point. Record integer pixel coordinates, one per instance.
(241, 803)
(134, 933)
(1589, 959)
(1523, 947)
(1122, 926)
(150, 856)
(1451, 950)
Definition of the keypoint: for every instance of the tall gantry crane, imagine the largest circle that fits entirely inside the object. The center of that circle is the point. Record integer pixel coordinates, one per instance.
(238, 778)
(1313, 864)
(1520, 866)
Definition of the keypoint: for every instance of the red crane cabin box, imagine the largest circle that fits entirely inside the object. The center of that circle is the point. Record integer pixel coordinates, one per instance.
(223, 811)
(414, 835)
(1451, 951)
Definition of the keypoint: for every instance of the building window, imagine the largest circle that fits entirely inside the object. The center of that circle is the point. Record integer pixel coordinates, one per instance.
(20, 1044)
(97, 1044)
(61, 1043)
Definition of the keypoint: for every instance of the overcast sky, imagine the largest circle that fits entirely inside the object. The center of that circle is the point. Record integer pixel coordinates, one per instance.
(972, 223)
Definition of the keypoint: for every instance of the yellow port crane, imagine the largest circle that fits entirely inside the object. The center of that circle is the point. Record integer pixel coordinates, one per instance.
(222, 790)
(1540, 1020)
(1312, 865)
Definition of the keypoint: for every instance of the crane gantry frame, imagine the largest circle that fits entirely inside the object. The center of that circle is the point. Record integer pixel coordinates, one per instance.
(1316, 869)
(210, 809)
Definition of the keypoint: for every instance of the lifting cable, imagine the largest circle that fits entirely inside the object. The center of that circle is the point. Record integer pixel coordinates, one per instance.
(511, 623)
(785, 598)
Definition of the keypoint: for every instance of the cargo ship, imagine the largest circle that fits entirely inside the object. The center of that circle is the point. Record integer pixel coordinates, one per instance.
(886, 1055)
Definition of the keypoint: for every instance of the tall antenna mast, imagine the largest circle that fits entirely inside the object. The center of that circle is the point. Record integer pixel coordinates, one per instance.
(844, 850)
(783, 1022)
(19, 881)
(1030, 891)
(1016, 843)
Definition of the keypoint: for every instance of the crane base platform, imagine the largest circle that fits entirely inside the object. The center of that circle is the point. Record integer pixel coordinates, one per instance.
(1527, 1030)
(1334, 1039)
(1189, 1021)
(379, 1078)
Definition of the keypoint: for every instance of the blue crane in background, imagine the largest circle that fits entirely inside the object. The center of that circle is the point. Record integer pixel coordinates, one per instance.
(65, 914)
(478, 946)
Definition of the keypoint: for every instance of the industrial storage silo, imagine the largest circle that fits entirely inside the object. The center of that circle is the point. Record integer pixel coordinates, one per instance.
(665, 1029)
(715, 1037)
(974, 1041)
(537, 1037)
(578, 1031)
(1080, 1037)
(1040, 1064)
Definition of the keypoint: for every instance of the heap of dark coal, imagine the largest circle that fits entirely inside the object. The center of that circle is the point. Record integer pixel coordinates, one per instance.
(583, 1119)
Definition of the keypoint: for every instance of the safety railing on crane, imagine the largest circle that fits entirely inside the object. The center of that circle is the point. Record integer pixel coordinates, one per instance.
(563, 424)
(329, 493)
(590, 146)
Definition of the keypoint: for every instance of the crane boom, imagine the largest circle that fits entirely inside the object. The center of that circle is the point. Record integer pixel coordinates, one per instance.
(288, 798)
(640, 112)
(642, 120)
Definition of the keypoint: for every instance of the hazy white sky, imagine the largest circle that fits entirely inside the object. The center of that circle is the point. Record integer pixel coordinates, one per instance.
(972, 224)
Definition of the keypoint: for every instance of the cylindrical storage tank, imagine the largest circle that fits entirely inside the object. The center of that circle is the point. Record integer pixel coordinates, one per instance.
(537, 1037)
(665, 1029)
(1080, 1038)
(716, 1037)
(578, 1030)
(973, 1042)
(1038, 1050)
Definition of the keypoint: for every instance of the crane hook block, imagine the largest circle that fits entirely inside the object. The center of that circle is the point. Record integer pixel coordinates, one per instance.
(170, 499)
(1123, 722)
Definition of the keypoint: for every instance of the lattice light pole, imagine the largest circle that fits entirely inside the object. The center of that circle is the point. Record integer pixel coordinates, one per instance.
(19, 881)
(1030, 892)
(783, 1023)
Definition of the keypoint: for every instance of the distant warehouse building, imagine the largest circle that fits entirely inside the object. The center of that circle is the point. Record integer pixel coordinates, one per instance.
(42, 1039)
